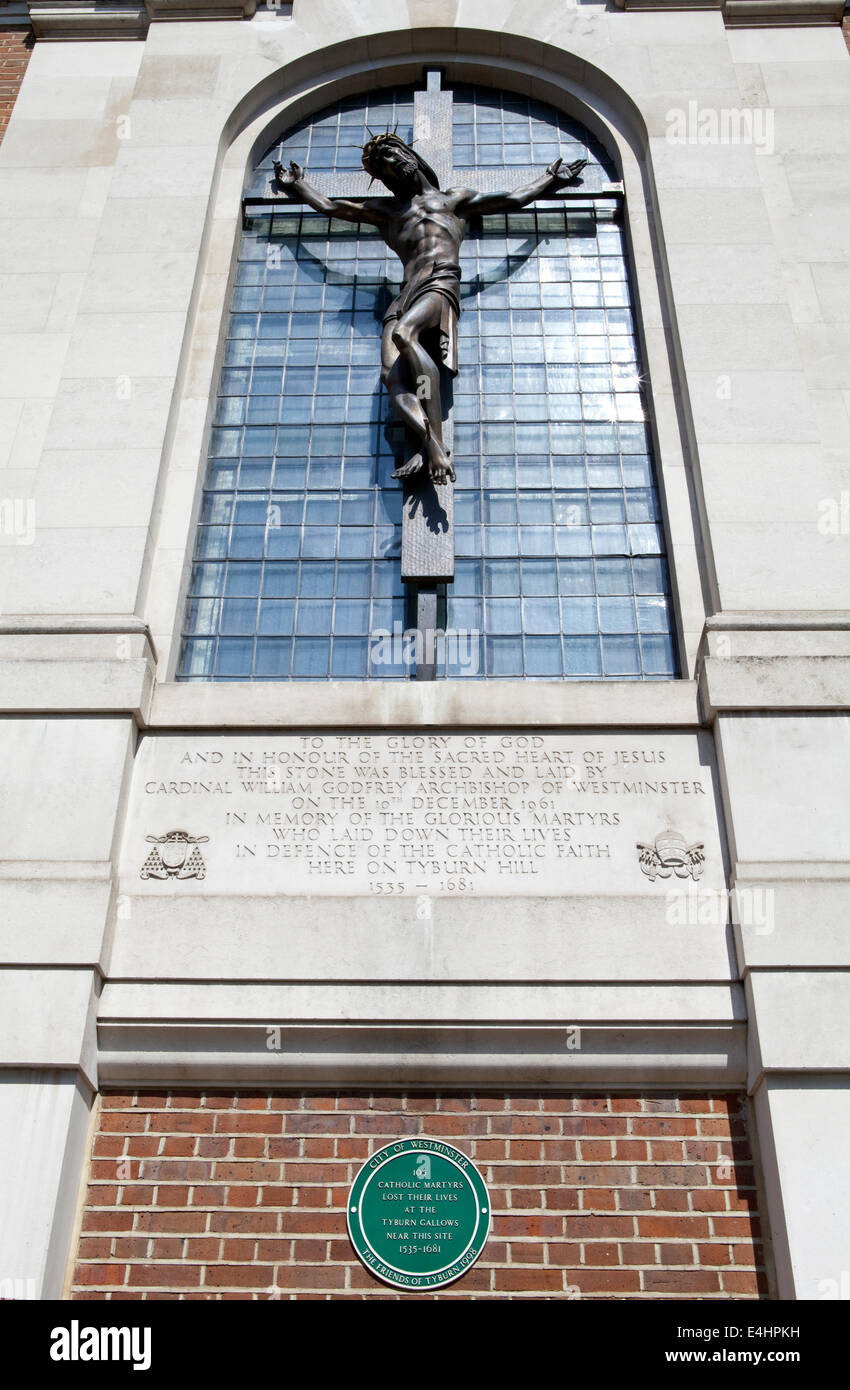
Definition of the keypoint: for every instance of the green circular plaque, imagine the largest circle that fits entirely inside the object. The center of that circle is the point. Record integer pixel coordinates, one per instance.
(418, 1214)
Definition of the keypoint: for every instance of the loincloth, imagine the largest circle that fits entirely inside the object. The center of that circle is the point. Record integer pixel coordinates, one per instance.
(443, 279)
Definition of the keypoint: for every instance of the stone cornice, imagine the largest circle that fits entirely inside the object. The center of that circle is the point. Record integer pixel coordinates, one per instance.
(130, 19)
(124, 19)
(756, 14)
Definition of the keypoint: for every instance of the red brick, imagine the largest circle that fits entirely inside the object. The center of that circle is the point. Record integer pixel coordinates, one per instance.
(736, 1227)
(215, 1146)
(596, 1175)
(107, 1221)
(242, 1196)
(666, 1126)
(122, 1122)
(486, 1150)
(252, 1100)
(346, 1147)
(677, 1255)
(684, 1281)
(525, 1252)
(591, 1104)
(249, 1146)
(740, 1281)
(208, 1195)
(598, 1227)
(598, 1199)
(634, 1200)
(108, 1146)
(525, 1150)
(285, 1148)
(671, 1199)
(708, 1199)
(564, 1253)
(311, 1277)
(638, 1252)
(717, 1255)
(276, 1195)
(529, 1280)
(318, 1102)
(204, 1248)
(102, 1275)
(682, 1227)
(131, 1247)
(631, 1150)
(597, 1253)
(181, 1122)
(179, 1145)
(164, 1276)
(605, 1280)
(95, 1247)
(251, 1123)
(237, 1223)
(559, 1168)
(166, 1248)
(246, 1172)
(526, 1198)
(315, 1172)
(325, 1124)
(185, 1222)
(416, 1105)
(596, 1150)
(561, 1199)
(238, 1276)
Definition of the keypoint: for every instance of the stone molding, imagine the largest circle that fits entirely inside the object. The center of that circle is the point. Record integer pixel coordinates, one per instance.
(127, 19)
(130, 19)
(775, 661)
(756, 14)
(175, 1051)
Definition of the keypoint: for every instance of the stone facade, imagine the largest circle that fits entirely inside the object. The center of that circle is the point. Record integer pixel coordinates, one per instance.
(121, 175)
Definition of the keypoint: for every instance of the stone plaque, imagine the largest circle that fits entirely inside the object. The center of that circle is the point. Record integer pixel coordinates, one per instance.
(418, 1214)
(439, 814)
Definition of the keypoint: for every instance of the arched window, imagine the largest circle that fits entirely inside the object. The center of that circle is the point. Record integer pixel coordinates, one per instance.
(560, 559)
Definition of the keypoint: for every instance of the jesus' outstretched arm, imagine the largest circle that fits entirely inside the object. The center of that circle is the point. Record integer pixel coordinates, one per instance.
(558, 175)
(296, 187)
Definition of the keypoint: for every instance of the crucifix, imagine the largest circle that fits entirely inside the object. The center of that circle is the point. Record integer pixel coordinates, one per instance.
(424, 222)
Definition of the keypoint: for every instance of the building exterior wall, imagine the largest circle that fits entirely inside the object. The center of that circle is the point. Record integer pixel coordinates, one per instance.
(15, 49)
(121, 174)
(206, 1195)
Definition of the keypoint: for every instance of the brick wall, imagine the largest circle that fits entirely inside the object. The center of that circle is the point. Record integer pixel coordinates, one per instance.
(15, 48)
(211, 1195)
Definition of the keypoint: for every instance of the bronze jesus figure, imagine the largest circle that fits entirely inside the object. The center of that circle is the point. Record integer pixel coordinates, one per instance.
(425, 227)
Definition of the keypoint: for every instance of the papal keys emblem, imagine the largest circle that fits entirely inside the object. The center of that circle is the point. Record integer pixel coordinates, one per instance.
(175, 855)
(671, 855)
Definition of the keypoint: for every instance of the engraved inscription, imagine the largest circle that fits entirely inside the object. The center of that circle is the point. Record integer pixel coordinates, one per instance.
(431, 814)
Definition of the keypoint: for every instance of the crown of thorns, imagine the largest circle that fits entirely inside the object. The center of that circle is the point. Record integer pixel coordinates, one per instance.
(376, 145)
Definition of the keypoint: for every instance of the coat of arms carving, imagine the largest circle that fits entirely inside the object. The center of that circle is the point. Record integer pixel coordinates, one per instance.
(671, 854)
(175, 855)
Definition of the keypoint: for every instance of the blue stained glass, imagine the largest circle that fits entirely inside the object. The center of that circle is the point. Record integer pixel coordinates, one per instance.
(543, 656)
(541, 615)
(503, 656)
(620, 656)
(503, 615)
(350, 658)
(582, 657)
(310, 657)
(547, 405)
